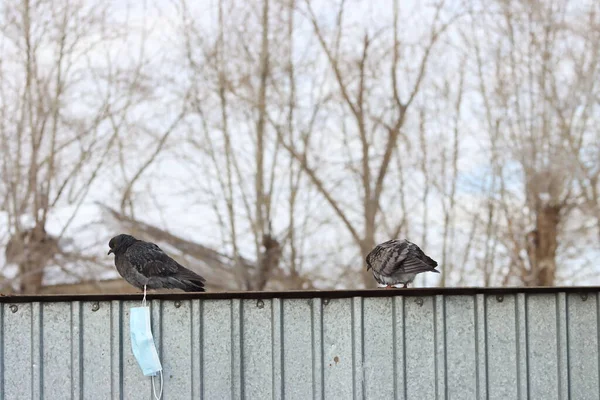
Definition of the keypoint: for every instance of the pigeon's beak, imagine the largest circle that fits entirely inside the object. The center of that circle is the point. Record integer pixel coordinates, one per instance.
(110, 251)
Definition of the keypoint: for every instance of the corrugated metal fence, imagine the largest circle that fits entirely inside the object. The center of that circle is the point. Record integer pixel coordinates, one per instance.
(422, 345)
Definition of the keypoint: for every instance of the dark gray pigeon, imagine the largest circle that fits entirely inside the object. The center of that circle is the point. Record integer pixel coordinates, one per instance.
(398, 261)
(144, 264)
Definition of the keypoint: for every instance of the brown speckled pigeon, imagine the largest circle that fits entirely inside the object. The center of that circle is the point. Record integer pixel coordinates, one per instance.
(398, 262)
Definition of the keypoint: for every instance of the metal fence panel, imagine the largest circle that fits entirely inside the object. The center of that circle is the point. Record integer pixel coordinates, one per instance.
(441, 346)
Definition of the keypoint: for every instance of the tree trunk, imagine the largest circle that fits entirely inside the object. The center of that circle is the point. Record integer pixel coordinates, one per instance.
(542, 247)
(31, 250)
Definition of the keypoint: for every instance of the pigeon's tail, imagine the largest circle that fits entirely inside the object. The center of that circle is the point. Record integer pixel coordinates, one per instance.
(188, 281)
(193, 286)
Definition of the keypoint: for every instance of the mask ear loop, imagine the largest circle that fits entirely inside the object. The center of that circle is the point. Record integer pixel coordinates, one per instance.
(144, 298)
(154, 388)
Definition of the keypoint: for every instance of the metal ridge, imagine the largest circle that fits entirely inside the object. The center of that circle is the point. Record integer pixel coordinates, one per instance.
(298, 294)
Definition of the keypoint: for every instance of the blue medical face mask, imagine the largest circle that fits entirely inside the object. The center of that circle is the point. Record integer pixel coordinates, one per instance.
(142, 342)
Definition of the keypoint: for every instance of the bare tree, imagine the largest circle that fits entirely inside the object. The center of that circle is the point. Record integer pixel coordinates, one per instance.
(372, 105)
(305, 132)
(57, 98)
(250, 73)
(233, 72)
(535, 71)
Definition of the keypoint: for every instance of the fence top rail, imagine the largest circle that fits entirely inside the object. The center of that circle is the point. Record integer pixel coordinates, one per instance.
(300, 294)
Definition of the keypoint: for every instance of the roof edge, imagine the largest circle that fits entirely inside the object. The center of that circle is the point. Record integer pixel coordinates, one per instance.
(299, 294)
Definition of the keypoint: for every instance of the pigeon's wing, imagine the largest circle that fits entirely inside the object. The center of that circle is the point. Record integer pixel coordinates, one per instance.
(416, 251)
(391, 255)
(151, 261)
(407, 258)
(413, 265)
(415, 260)
(377, 257)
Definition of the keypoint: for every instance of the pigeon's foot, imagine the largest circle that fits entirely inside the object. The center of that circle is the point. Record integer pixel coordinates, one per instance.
(405, 286)
(390, 287)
